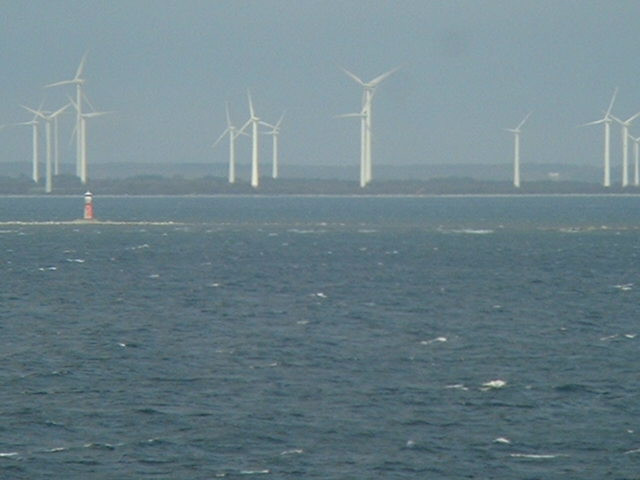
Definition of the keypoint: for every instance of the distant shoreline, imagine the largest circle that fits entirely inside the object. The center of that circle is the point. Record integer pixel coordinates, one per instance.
(331, 195)
(157, 185)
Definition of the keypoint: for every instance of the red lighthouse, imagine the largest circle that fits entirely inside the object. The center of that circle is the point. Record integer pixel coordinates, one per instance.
(88, 206)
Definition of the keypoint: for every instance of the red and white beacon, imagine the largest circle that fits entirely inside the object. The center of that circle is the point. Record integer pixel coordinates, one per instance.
(88, 206)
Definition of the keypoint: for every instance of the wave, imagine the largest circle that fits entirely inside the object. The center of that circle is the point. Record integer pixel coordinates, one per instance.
(537, 456)
(468, 231)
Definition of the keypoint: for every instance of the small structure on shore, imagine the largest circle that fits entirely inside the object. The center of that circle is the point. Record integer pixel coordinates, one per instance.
(88, 206)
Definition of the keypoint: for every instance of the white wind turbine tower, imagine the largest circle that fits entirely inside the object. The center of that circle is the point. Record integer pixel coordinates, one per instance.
(625, 124)
(636, 160)
(254, 121)
(363, 144)
(48, 118)
(516, 150)
(233, 133)
(606, 120)
(274, 132)
(78, 81)
(35, 175)
(367, 98)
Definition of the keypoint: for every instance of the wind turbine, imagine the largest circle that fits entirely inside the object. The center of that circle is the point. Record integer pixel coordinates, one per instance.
(48, 117)
(254, 121)
(625, 124)
(516, 150)
(78, 81)
(274, 132)
(606, 120)
(367, 98)
(233, 133)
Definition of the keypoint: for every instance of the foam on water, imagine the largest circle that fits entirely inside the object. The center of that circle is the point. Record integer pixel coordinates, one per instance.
(537, 456)
(494, 384)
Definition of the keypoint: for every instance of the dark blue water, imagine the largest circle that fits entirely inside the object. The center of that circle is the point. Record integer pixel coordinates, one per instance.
(328, 338)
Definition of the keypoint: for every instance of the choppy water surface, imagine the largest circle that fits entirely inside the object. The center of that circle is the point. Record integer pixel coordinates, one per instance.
(324, 338)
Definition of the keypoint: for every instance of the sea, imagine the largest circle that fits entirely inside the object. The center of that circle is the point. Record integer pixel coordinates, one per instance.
(294, 337)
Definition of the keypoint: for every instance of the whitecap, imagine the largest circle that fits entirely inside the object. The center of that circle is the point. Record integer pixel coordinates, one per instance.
(625, 287)
(410, 444)
(294, 451)
(139, 247)
(434, 340)
(8, 454)
(469, 231)
(320, 295)
(502, 440)
(608, 337)
(56, 449)
(635, 450)
(457, 386)
(154, 275)
(267, 365)
(630, 335)
(254, 472)
(76, 260)
(537, 456)
(214, 284)
(494, 384)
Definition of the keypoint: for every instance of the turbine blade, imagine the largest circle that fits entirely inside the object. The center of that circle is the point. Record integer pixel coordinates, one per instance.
(220, 137)
(353, 76)
(280, 120)
(596, 122)
(613, 99)
(73, 102)
(95, 114)
(237, 133)
(380, 78)
(349, 115)
(81, 66)
(59, 111)
(86, 99)
(226, 110)
(631, 119)
(37, 113)
(57, 84)
(617, 119)
(251, 111)
(523, 120)
(241, 131)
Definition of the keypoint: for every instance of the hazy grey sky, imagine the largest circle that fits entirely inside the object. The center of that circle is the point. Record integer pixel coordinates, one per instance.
(470, 69)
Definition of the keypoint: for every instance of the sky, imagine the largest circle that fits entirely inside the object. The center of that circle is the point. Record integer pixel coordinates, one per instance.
(469, 69)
